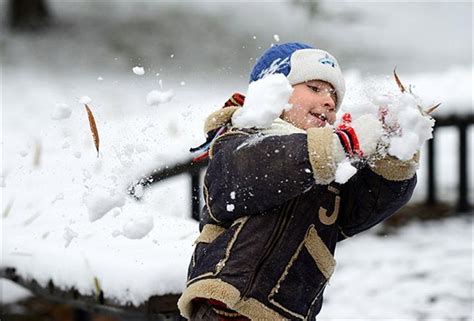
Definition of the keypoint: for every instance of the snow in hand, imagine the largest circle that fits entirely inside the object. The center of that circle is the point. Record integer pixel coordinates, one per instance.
(138, 71)
(406, 126)
(410, 127)
(156, 97)
(265, 101)
(344, 171)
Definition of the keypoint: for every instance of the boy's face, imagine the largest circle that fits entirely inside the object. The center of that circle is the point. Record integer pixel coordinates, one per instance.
(314, 105)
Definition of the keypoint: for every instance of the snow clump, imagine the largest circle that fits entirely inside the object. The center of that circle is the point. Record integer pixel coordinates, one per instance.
(405, 127)
(411, 127)
(156, 97)
(265, 101)
(85, 100)
(138, 71)
(68, 236)
(100, 201)
(344, 171)
(138, 227)
(61, 111)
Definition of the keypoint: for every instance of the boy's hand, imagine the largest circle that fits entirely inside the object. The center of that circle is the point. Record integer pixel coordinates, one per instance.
(389, 127)
(360, 137)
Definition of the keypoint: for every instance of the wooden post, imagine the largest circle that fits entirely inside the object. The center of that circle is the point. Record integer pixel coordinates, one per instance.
(81, 315)
(28, 14)
(463, 205)
(431, 179)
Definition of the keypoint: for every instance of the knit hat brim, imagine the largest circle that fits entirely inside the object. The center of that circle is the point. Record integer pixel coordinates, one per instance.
(316, 64)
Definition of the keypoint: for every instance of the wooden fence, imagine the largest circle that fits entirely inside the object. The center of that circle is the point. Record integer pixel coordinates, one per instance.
(461, 123)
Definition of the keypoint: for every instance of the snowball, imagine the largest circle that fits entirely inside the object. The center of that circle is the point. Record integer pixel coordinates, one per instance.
(139, 190)
(138, 228)
(138, 71)
(344, 171)
(369, 131)
(68, 236)
(266, 99)
(406, 127)
(156, 97)
(404, 147)
(230, 207)
(413, 128)
(61, 111)
(85, 100)
(100, 201)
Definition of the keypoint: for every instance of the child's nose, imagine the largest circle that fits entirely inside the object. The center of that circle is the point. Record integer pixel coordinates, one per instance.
(329, 103)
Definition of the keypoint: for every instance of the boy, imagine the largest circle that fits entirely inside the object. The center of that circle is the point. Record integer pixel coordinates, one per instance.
(273, 212)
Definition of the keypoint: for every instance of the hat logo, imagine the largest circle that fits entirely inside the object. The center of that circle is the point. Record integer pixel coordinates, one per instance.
(277, 65)
(327, 61)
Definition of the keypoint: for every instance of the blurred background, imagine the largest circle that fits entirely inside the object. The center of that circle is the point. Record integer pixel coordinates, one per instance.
(56, 52)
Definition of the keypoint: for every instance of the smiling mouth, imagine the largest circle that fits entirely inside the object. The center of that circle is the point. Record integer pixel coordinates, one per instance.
(322, 116)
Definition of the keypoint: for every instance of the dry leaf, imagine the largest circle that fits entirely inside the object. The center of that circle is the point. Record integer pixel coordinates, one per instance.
(98, 290)
(8, 208)
(426, 111)
(399, 83)
(432, 109)
(37, 154)
(95, 133)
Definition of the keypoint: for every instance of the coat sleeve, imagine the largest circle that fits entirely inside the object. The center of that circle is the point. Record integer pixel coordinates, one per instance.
(375, 193)
(248, 174)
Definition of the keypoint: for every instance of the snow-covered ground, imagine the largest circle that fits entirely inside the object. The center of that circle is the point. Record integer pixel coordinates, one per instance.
(62, 203)
(423, 272)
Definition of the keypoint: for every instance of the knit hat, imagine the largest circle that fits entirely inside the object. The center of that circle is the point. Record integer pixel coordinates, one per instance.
(299, 63)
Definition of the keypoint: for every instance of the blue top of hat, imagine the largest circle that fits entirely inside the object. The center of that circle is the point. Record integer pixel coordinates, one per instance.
(276, 60)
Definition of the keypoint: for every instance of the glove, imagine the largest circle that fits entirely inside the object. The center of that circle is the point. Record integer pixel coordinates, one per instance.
(360, 138)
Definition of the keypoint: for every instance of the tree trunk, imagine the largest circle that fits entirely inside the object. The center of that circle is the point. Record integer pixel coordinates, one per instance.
(28, 14)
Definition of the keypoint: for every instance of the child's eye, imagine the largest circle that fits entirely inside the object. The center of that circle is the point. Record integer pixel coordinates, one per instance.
(315, 89)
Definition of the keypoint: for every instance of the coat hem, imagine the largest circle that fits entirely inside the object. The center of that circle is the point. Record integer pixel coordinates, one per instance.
(228, 294)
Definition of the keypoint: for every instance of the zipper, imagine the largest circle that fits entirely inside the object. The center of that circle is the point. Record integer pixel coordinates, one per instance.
(280, 227)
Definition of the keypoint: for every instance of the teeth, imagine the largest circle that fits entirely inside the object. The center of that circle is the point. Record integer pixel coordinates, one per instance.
(321, 117)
